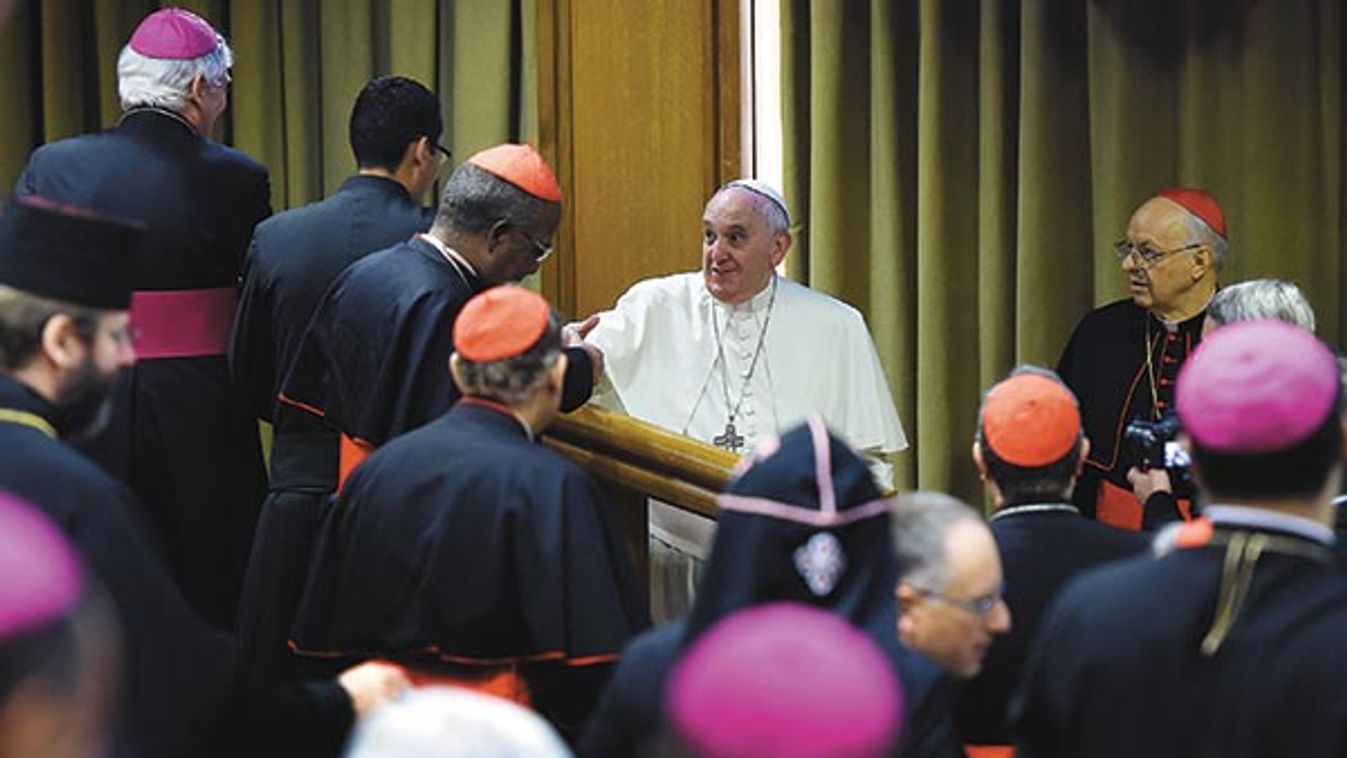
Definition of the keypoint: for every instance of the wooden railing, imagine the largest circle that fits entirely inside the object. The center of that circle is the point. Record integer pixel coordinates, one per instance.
(635, 462)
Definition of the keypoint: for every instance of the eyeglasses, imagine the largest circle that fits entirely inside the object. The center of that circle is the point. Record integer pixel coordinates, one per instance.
(980, 606)
(543, 249)
(443, 151)
(1149, 256)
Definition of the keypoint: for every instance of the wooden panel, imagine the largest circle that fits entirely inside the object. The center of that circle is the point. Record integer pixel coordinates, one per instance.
(639, 108)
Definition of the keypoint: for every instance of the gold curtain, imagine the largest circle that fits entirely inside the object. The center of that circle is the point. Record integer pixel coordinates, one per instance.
(298, 66)
(960, 168)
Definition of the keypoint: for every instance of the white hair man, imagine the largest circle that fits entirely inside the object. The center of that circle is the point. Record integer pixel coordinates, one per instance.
(735, 353)
(178, 436)
(1122, 358)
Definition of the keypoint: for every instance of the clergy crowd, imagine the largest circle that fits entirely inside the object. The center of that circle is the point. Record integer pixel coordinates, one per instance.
(409, 571)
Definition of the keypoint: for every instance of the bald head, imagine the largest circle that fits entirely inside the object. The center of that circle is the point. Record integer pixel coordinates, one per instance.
(1171, 259)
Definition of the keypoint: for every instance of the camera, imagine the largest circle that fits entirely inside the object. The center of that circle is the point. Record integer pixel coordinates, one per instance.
(1154, 444)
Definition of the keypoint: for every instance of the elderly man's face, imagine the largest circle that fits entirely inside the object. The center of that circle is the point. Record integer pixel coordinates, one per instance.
(954, 625)
(1160, 226)
(739, 251)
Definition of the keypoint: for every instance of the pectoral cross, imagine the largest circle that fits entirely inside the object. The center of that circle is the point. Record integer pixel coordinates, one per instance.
(730, 440)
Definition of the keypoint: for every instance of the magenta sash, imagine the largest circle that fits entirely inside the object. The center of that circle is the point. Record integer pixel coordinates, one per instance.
(182, 323)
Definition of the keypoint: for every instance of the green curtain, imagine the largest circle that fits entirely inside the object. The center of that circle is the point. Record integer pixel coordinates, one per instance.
(298, 66)
(961, 166)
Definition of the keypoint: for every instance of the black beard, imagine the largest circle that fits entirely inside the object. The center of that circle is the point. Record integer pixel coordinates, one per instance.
(82, 406)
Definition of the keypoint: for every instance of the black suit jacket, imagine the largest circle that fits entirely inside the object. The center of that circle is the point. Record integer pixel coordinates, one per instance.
(1040, 552)
(179, 436)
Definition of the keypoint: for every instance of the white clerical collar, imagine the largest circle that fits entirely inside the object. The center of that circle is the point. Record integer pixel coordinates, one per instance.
(756, 304)
(1173, 326)
(1261, 518)
(450, 254)
(1018, 510)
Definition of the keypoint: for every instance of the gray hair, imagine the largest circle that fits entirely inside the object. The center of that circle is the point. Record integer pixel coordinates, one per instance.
(767, 208)
(164, 83)
(921, 521)
(513, 380)
(1262, 298)
(1201, 234)
(474, 199)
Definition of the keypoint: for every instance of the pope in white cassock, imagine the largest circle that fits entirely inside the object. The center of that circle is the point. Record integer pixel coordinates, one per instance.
(735, 353)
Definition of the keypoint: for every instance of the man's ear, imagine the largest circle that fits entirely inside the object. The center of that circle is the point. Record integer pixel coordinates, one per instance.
(906, 597)
(780, 245)
(62, 343)
(1202, 262)
(556, 378)
(415, 153)
(978, 461)
(197, 87)
(1084, 454)
(495, 234)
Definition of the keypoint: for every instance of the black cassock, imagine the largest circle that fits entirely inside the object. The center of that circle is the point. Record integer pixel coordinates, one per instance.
(180, 436)
(1105, 365)
(758, 558)
(180, 695)
(1042, 547)
(293, 259)
(374, 361)
(466, 551)
(1119, 669)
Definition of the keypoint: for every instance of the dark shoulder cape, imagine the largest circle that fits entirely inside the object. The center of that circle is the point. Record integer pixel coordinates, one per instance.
(463, 544)
(375, 359)
(1104, 364)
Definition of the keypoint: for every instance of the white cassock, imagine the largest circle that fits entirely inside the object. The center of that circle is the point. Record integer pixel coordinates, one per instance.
(678, 358)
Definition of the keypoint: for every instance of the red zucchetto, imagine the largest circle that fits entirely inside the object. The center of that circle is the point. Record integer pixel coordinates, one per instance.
(521, 166)
(500, 323)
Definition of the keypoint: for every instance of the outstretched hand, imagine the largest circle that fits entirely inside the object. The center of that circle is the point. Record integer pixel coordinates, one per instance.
(573, 335)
